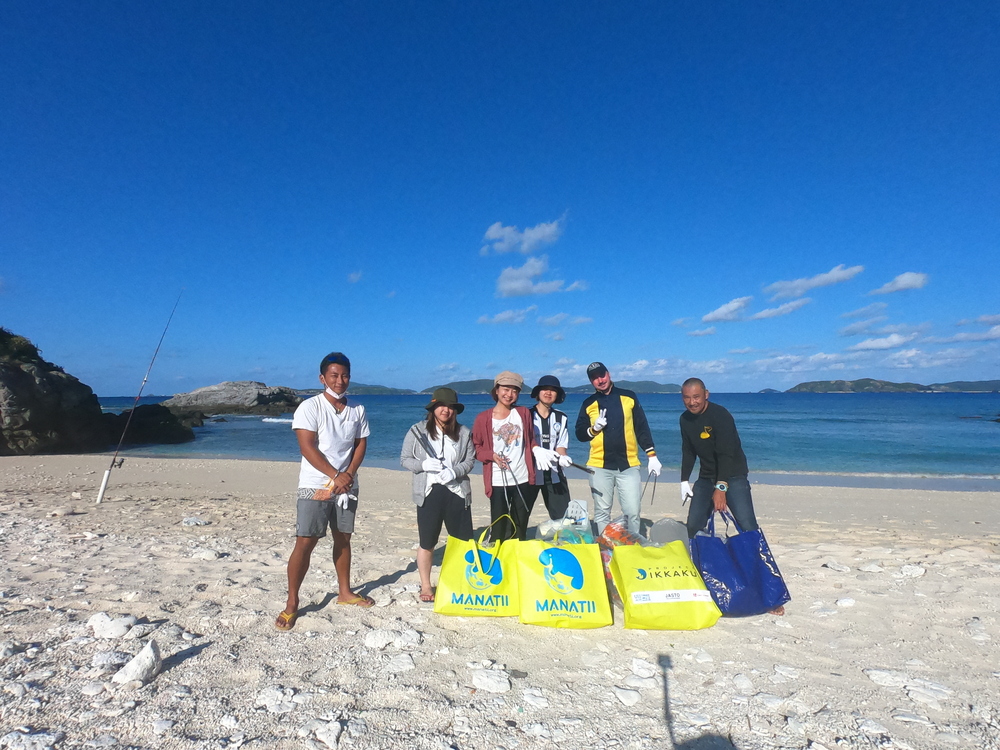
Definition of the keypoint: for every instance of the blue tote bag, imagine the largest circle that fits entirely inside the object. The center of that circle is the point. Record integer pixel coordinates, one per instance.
(739, 570)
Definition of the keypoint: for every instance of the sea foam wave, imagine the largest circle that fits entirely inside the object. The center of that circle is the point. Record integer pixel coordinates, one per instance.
(279, 420)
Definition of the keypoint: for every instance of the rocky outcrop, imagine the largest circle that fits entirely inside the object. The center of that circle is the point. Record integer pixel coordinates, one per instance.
(235, 397)
(151, 424)
(42, 408)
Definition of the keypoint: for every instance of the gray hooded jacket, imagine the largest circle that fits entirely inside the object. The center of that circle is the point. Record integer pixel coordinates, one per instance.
(412, 456)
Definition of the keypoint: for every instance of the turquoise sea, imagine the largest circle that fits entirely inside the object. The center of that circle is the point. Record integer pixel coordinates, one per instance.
(904, 440)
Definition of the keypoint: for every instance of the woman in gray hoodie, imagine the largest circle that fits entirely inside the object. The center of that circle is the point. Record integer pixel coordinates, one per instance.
(439, 452)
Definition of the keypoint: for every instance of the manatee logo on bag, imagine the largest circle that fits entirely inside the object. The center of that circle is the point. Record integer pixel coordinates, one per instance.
(487, 573)
(563, 572)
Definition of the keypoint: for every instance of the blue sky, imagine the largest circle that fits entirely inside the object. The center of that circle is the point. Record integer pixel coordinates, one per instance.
(757, 194)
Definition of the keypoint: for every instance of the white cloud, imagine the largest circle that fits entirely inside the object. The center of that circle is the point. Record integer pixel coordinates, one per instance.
(553, 320)
(560, 318)
(797, 363)
(798, 287)
(908, 280)
(556, 336)
(703, 332)
(564, 361)
(987, 320)
(788, 307)
(680, 322)
(447, 367)
(501, 239)
(508, 316)
(355, 277)
(519, 282)
(916, 358)
(744, 350)
(675, 370)
(867, 311)
(729, 311)
(578, 286)
(391, 294)
(861, 326)
(892, 341)
(991, 334)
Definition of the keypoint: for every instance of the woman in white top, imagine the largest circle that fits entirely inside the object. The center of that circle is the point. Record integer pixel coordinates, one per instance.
(504, 439)
(439, 453)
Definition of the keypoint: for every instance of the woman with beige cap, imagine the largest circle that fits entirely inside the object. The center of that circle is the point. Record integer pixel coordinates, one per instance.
(504, 440)
(439, 452)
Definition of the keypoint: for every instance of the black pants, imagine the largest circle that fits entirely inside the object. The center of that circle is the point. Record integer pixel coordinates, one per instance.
(516, 502)
(442, 506)
(555, 496)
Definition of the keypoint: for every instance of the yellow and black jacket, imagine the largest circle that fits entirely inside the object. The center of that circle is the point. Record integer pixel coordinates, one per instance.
(627, 434)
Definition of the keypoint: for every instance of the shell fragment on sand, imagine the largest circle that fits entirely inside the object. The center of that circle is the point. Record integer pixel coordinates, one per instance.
(143, 667)
(491, 680)
(105, 627)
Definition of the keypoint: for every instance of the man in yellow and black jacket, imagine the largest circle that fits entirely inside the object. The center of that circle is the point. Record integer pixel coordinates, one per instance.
(614, 424)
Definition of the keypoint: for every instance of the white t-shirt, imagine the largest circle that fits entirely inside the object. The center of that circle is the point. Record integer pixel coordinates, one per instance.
(336, 433)
(508, 440)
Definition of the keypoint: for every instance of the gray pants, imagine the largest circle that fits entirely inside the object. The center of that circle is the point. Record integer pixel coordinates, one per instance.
(628, 483)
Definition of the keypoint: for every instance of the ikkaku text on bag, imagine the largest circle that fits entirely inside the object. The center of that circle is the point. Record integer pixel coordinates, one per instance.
(562, 586)
(478, 581)
(661, 588)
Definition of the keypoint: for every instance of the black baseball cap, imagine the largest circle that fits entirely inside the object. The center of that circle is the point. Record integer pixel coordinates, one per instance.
(596, 370)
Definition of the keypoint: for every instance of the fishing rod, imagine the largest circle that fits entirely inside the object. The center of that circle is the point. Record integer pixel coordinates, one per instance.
(114, 458)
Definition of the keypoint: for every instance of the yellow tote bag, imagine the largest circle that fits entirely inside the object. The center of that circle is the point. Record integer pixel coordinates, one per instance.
(661, 588)
(562, 586)
(478, 581)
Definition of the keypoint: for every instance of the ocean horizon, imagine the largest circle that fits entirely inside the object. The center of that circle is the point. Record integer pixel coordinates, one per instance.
(881, 440)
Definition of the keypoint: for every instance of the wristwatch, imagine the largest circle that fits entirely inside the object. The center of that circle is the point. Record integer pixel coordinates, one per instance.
(722, 486)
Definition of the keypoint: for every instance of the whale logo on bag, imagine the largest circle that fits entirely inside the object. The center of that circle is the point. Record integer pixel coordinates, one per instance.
(563, 572)
(487, 573)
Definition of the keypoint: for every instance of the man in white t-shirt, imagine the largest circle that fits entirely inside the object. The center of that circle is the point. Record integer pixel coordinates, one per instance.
(333, 437)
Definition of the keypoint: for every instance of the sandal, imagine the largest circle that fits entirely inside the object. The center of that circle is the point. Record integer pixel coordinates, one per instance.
(286, 620)
(359, 601)
(427, 598)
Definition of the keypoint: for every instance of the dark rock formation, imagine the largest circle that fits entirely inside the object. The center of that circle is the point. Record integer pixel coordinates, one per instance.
(151, 423)
(42, 408)
(236, 397)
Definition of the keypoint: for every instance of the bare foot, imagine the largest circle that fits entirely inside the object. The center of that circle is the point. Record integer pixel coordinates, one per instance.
(778, 611)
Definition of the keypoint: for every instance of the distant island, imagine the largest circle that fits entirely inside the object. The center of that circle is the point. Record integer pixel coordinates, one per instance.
(361, 389)
(485, 385)
(870, 385)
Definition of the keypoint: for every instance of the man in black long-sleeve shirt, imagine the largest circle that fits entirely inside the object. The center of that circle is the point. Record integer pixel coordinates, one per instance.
(709, 434)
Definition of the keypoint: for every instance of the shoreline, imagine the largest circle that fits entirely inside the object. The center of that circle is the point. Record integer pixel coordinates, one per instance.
(892, 632)
(886, 481)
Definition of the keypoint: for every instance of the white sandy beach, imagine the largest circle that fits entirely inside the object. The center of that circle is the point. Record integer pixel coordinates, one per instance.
(892, 638)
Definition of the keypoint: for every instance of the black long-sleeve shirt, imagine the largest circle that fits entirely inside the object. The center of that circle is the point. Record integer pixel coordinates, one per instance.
(711, 437)
(617, 446)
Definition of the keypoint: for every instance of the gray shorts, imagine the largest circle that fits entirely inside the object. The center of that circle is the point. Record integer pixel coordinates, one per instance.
(314, 516)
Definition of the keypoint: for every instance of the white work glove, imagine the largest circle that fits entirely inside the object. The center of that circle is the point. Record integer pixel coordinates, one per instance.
(432, 465)
(601, 422)
(565, 461)
(446, 475)
(343, 500)
(687, 492)
(543, 458)
(654, 466)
